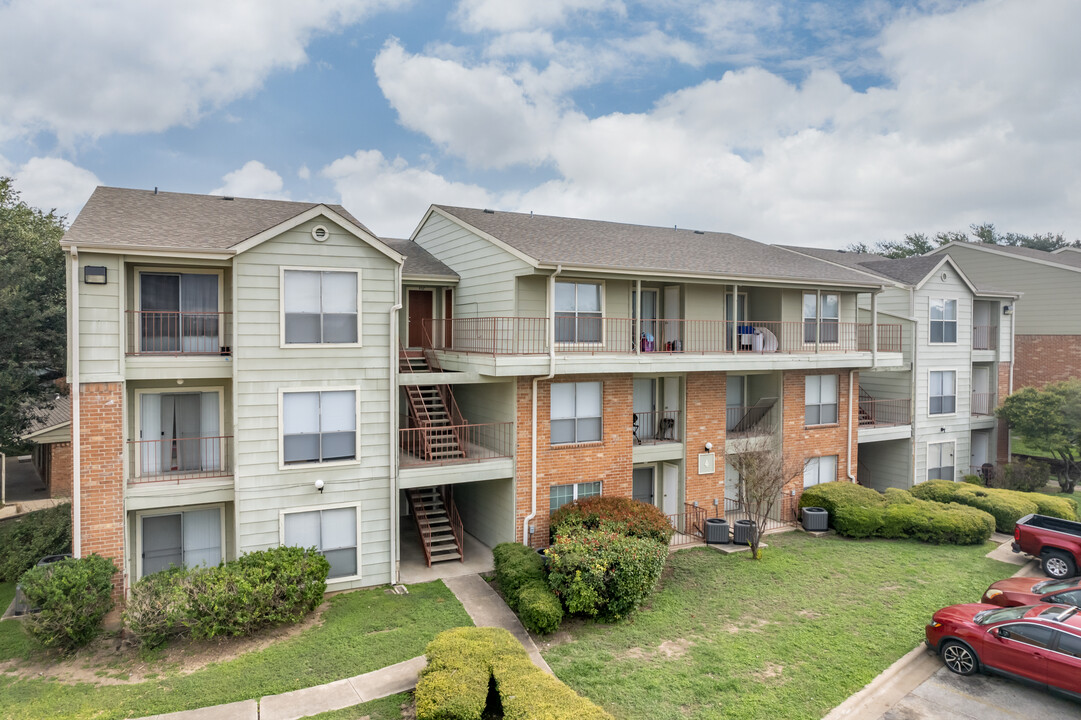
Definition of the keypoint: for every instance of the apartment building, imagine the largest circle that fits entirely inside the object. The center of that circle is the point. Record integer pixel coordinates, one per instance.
(247, 373)
(232, 382)
(587, 357)
(1048, 313)
(933, 417)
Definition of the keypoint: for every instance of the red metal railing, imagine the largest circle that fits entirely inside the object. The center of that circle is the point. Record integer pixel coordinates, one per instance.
(656, 427)
(181, 459)
(689, 525)
(983, 404)
(456, 526)
(487, 441)
(489, 335)
(883, 412)
(179, 333)
(985, 337)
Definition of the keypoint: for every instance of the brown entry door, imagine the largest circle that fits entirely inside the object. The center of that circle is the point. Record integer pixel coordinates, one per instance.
(420, 310)
(448, 313)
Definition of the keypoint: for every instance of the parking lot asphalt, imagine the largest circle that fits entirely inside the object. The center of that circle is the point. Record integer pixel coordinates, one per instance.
(946, 696)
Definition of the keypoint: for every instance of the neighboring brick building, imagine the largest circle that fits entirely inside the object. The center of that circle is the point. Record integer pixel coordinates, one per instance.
(51, 436)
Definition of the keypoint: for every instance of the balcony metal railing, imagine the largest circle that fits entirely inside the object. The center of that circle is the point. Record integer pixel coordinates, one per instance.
(606, 335)
(749, 421)
(985, 337)
(471, 443)
(651, 428)
(983, 404)
(880, 412)
(181, 459)
(179, 333)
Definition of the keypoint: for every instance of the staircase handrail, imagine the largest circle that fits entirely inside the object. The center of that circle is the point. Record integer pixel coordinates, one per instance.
(421, 517)
(455, 520)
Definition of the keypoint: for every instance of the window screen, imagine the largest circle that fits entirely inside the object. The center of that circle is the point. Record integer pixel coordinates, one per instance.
(820, 400)
(320, 307)
(319, 426)
(576, 412)
(332, 532)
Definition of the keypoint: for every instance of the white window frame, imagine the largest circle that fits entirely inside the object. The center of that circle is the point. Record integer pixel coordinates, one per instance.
(603, 320)
(817, 463)
(930, 323)
(281, 307)
(332, 506)
(140, 514)
(281, 427)
(837, 402)
(576, 441)
(819, 318)
(176, 390)
(931, 372)
(574, 492)
(927, 468)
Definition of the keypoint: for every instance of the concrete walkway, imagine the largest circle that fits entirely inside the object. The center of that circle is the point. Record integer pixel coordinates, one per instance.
(479, 600)
(488, 610)
(887, 691)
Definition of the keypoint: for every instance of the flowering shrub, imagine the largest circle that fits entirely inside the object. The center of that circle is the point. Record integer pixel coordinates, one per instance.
(612, 514)
(604, 574)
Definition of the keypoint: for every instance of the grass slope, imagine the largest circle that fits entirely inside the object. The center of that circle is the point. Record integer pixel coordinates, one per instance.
(361, 631)
(388, 708)
(13, 641)
(789, 636)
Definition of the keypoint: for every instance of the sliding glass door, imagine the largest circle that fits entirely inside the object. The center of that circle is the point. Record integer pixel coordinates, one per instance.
(180, 432)
(178, 313)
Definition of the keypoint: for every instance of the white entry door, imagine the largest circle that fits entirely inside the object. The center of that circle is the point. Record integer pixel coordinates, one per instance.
(670, 481)
(981, 448)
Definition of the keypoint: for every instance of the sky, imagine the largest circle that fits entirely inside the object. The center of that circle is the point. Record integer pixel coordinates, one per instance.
(817, 123)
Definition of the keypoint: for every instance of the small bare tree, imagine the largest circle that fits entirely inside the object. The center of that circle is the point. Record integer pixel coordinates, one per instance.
(763, 472)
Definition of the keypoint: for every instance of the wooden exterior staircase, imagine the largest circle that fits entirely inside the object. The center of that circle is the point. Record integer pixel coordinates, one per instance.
(438, 524)
(433, 409)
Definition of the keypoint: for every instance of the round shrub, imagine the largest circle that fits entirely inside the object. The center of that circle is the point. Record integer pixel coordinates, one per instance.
(857, 521)
(604, 574)
(942, 491)
(614, 514)
(1055, 505)
(539, 608)
(973, 480)
(28, 539)
(901, 515)
(1006, 506)
(159, 608)
(833, 495)
(515, 566)
(73, 595)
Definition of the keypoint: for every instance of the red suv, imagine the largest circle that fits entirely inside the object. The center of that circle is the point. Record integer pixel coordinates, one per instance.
(1032, 591)
(1038, 644)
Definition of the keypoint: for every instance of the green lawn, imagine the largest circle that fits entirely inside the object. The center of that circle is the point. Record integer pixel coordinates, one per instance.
(388, 708)
(789, 636)
(1017, 445)
(361, 631)
(13, 641)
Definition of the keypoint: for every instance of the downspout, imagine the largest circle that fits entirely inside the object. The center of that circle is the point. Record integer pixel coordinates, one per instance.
(551, 374)
(851, 386)
(392, 443)
(76, 424)
(912, 381)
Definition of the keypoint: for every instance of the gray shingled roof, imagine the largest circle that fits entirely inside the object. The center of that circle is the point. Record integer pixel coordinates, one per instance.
(908, 271)
(58, 414)
(122, 217)
(597, 244)
(418, 261)
(1062, 258)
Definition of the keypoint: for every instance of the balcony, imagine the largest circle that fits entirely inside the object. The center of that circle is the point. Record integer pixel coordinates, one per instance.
(983, 404)
(178, 460)
(600, 335)
(651, 428)
(442, 445)
(173, 333)
(883, 412)
(985, 337)
(745, 421)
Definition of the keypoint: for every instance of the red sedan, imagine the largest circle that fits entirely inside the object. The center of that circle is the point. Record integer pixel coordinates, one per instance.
(1031, 591)
(1038, 644)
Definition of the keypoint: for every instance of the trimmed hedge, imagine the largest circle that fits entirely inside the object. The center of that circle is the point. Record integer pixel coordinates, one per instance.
(861, 512)
(604, 574)
(1007, 506)
(258, 590)
(73, 595)
(520, 572)
(613, 514)
(832, 495)
(28, 539)
(464, 664)
(1055, 505)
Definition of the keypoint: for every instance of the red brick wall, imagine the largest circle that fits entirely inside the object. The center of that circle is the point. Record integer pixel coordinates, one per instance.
(59, 480)
(608, 460)
(800, 442)
(1042, 359)
(1002, 444)
(101, 475)
(706, 422)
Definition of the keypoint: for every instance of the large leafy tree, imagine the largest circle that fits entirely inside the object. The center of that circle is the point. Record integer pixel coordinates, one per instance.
(1049, 419)
(33, 332)
(920, 244)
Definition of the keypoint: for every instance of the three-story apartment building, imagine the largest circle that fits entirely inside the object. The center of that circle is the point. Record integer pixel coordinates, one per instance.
(933, 418)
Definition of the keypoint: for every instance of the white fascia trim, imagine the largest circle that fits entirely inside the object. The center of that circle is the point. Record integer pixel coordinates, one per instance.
(868, 273)
(763, 281)
(42, 431)
(311, 214)
(154, 251)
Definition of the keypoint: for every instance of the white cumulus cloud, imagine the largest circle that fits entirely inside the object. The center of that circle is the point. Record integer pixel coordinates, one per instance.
(253, 180)
(52, 184)
(511, 15)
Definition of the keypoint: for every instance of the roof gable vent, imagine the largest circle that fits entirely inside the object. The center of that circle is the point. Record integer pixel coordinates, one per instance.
(320, 233)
